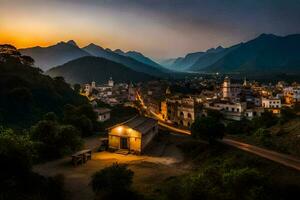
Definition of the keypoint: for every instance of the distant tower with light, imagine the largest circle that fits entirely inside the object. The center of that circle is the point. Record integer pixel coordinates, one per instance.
(168, 91)
(245, 82)
(110, 82)
(93, 84)
(226, 87)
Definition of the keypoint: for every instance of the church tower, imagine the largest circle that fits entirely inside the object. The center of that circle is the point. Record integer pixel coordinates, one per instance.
(110, 82)
(226, 87)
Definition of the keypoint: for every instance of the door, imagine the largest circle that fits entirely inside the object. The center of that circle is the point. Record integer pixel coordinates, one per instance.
(124, 143)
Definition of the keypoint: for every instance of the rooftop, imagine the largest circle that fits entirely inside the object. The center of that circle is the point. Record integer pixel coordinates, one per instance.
(141, 124)
(102, 110)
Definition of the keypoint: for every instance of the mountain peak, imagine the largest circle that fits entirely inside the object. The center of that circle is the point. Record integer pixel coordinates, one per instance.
(119, 51)
(267, 35)
(92, 45)
(72, 42)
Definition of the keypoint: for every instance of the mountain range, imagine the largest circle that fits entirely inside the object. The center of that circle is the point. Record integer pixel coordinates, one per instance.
(129, 61)
(47, 57)
(63, 52)
(266, 53)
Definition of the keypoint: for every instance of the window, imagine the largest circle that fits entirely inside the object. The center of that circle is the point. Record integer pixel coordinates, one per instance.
(189, 115)
(238, 110)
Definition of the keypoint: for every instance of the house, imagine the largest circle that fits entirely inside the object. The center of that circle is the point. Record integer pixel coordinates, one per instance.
(103, 114)
(133, 135)
(271, 103)
(180, 110)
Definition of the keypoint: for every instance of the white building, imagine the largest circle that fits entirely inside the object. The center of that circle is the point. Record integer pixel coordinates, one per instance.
(103, 114)
(93, 84)
(271, 103)
(110, 82)
(230, 110)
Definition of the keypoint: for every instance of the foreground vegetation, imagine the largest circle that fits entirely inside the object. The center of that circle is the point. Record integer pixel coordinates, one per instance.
(26, 94)
(225, 173)
(277, 133)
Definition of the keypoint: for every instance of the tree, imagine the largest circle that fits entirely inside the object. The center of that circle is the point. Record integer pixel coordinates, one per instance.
(287, 114)
(16, 154)
(266, 120)
(82, 117)
(77, 88)
(208, 128)
(239, 127)
(116, 177)
(55, 140)
(50, 116)
(244, 182)
(17, 181)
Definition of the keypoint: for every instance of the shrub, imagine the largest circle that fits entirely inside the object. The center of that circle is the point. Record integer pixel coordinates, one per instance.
(113, 178)
(207, 128)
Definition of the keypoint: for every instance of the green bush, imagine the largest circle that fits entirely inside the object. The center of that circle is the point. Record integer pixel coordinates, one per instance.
(239, 127)
(54, 140)
(82, 117)
(207, 128)
(17, 181)
(113, 178)
(114, 182)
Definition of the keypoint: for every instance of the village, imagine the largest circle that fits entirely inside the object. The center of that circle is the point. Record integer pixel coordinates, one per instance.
(150, 140)
(157, 102)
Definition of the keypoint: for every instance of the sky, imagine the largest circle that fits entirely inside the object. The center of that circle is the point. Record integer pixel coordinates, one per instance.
(157, 28)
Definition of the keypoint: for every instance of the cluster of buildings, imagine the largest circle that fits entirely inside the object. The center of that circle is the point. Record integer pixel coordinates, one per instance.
(234, 100)
(110, 93)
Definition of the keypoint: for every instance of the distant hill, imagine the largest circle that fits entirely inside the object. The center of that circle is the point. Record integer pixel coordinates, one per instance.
(26, 94)
(267, 53)
(187, 61)
(47, 57)
(139, 57)
(167, 62)
(209, 58)
(88, 69)
(193, 60)
(128, 61)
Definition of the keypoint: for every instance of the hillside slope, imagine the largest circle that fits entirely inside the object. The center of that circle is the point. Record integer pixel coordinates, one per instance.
(266, 53)
(88, 69)
(26, 94)
(129, 62)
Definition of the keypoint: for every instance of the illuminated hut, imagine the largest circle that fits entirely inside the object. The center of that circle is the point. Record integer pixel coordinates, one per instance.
(134, 135)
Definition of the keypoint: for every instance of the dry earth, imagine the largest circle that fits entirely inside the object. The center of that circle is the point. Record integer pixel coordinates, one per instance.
(162, 160)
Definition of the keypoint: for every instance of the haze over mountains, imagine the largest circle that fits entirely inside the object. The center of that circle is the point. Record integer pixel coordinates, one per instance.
(131, 61)
(62, 52)
(266, 53)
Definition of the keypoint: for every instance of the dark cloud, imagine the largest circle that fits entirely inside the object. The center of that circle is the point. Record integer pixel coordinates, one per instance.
(182, 26)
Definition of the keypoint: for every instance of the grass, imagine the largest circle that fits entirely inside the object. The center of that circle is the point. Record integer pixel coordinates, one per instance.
(284, 138)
